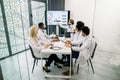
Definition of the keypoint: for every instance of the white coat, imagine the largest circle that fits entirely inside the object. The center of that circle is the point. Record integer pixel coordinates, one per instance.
(77, 39)
(86, 49)
(42, 35)
(69, 28)
(37, 46)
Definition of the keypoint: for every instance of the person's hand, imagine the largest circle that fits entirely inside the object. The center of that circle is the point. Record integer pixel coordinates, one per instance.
(66, 42)
(68, 45)
(48, 44)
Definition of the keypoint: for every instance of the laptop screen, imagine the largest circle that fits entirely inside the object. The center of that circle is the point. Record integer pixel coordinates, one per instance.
(67, 35)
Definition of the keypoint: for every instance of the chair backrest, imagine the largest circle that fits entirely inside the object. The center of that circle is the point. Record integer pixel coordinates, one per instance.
(93, 53)
(45, 58)
(32, 51)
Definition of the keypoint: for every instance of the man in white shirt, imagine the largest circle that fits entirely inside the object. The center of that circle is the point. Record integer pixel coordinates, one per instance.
(77, 41)
(87, 45)
(84, 49)
(42, 33)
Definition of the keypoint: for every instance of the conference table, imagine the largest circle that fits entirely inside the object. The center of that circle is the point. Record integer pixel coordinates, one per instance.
(58, 48)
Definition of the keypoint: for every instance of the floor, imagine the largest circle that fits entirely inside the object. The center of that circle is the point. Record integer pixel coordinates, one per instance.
(106, 65)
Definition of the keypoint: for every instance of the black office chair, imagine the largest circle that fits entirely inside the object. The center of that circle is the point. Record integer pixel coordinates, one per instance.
(93, 57)
(89, 60)
(35, 58)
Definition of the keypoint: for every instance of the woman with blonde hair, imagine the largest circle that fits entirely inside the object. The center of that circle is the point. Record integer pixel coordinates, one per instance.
(37, 45)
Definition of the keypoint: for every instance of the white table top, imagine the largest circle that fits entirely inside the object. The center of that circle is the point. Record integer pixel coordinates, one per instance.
(62, 50)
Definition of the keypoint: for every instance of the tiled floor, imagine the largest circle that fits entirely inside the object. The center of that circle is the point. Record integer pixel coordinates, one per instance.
(106, 65)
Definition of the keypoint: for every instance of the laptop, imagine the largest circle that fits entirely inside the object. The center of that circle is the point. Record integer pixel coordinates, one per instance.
(67, 35)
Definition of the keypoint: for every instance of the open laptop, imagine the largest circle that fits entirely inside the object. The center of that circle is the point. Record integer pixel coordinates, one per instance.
(67, 34)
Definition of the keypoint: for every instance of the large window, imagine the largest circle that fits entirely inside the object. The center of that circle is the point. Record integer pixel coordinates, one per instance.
(16, 13)
(15, 21)
(18, 16)
(38, 12)
(3, 42)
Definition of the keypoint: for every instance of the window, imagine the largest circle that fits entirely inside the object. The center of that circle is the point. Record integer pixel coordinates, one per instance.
(16, 13)
(3, 42)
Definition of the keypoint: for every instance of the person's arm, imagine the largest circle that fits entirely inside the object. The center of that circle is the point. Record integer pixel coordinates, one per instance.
(46, 35)
(36, 46)
(78, 40)
(73, 29)
(85, 45)
(76, 43)
(44, 43)
(63, 26)
(42, 36)
(48, 44)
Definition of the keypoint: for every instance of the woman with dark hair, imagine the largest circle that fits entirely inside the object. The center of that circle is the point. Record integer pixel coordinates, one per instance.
(77, 35)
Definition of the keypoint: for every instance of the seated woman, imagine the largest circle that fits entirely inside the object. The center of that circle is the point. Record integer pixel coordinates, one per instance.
(37, 45)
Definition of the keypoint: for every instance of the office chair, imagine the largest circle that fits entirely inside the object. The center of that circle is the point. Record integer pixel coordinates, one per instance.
(93, 57)
(35, 58)
(89, 60)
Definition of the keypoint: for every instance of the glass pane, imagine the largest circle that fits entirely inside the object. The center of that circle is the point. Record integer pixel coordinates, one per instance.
(3, 42)
(25, 20)
(10, 68)
(15, 67)
(38, 12)
(16, 12)
(17, 20)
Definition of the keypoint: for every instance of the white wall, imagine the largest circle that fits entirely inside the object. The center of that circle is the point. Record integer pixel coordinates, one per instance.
(106, 21)
(81, 10)
(107, 24)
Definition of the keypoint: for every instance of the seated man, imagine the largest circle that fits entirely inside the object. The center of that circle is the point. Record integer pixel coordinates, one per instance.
(41, 33)
(84, 49)
(76, 41)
